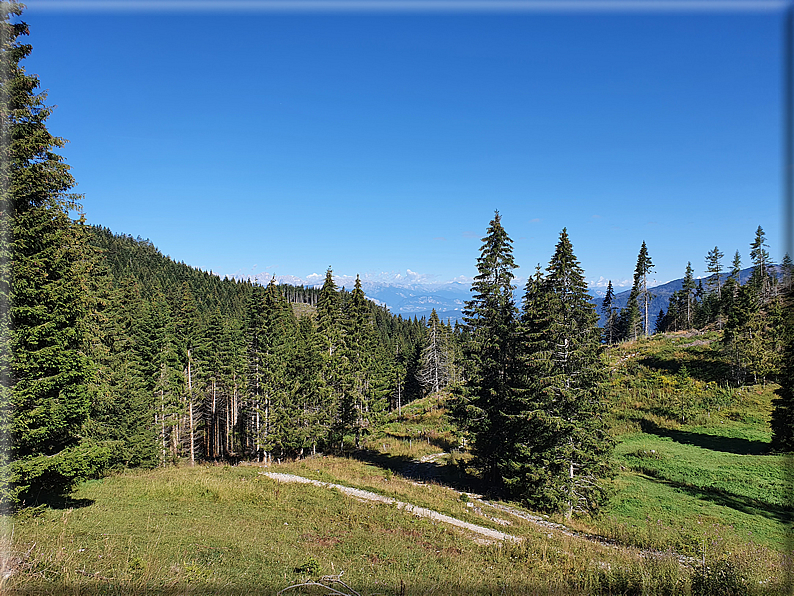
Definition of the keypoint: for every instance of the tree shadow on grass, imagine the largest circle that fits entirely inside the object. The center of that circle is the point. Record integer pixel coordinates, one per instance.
(724, 498)
(441, 472)
(62, 502)
(704, 368)
(712, 442)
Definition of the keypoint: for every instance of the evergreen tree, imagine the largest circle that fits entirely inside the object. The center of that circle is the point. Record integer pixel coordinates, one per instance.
(787, 273)
(760, 277)
(559, 456)
(490, 318)
(309, 398)
(169, 387)
(661, 322)
(45, 399)
(783, 413)
(329, 314)
(123, 387)
(278, 348)
(714, 267)
(731, 288)
(362, 399)
(687, 293)
(256, 345)
(629, 321)
(643, 295)
(610, 315)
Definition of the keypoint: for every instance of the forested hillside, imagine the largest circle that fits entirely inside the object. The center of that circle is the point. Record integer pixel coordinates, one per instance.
(232, 370)
(652, 443)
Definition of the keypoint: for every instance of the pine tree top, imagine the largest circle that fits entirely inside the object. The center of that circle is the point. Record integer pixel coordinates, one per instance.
(495, 264)
(644, 264)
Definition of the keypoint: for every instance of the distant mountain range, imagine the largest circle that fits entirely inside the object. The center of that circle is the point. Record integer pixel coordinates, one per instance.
(661, 294)
(418, 299)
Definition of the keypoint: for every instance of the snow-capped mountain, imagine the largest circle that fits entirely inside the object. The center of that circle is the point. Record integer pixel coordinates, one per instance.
(409, 295)
(416, 295)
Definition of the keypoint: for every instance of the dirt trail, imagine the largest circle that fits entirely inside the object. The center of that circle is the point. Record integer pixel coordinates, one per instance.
(491, 535)
(419, 470)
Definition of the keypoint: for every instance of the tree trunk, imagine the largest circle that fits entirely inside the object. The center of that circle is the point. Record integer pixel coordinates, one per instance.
(190, 410)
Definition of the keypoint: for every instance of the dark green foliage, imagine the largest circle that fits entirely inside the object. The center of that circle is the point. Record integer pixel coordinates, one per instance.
(762, 277)
(46, 399)
(661, 322)
(490, 318)
(629, 320)
(641, 271)
(363, 398)
(609, 311)
(126, 373)
(783, 414)
(753, 318)
(714, 267)
(560, 450)
(261, 383)
(687, 295)
(787, 273)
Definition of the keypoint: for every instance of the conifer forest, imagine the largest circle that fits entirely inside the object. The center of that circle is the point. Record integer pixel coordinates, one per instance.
(116, 359)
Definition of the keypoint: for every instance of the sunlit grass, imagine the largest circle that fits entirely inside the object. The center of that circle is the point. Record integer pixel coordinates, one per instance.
(701, 486)
(233, 531)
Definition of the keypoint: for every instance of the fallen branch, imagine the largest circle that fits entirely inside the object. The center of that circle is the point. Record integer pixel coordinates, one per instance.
(325, 582)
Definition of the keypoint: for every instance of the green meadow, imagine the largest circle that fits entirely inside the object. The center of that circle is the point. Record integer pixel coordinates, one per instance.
(699, 506)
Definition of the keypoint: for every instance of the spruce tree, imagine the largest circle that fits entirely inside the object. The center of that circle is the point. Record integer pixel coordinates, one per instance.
(629, 320)
(490, 318)
(787, 272)
(363, 399)
(329, 314)
(643, 295)
(309, 397)
(608, 311)
(761, 276)
(714, 267)
(661, 322)
(687, 292)
(278, 332)
(45, 396)
(560, 453)
(783, 413)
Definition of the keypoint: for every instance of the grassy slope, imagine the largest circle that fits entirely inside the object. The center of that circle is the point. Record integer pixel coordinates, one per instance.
(710, 475)
(230, 530)
(705, 487)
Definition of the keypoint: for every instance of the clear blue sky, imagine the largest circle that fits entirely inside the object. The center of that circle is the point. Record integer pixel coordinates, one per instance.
(243, 142)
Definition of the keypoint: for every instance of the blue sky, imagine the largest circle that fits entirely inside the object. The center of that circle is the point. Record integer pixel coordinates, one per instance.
(377, 141)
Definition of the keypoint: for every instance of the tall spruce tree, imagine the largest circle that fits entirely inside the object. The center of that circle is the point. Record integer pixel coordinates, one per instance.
(363, 400)
(714, 267)
(687, 293)
(278, 332)
(641, 272)
(761, 276)
(490, 318)
(45, 399)
(559, 456)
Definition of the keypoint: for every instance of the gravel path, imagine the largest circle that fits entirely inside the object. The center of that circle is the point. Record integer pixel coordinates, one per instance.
(492, 535)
